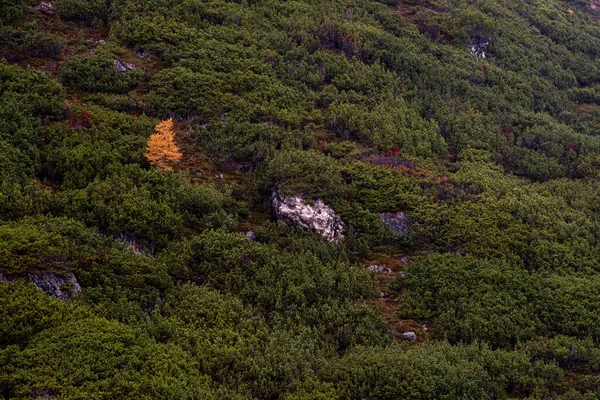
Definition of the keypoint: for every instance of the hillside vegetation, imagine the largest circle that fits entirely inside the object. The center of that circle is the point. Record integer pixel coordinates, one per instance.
(474, 122)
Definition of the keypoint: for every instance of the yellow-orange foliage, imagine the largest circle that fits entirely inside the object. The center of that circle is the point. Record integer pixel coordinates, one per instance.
(162, 149)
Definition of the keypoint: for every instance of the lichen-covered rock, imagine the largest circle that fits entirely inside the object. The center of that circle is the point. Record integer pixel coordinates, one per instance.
(122, 66)
(61, 286)
(397, 223)
(478, 46)
(410, 336)
(317, 216)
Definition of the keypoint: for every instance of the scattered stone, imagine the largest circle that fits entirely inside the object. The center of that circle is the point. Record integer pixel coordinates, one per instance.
(425, 328)
(142, 53)
(198, 174)
(379, 269)
(478, 46)
(46, 8)
(318, 216)
(381, 295)
(122, 66)
(402, 275)
(101, 41)
(221, 176)
(404, 260)
(410, 336)
(60, 286)
(251, 235)
(397, 223)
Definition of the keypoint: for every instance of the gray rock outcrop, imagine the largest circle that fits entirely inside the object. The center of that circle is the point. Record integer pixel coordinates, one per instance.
(122, 66)
(61, 285)
(410, 336)
(397, 223)
(316, 216)
(478, 46)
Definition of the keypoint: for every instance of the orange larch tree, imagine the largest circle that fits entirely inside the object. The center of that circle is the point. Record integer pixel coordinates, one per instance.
(162, 149)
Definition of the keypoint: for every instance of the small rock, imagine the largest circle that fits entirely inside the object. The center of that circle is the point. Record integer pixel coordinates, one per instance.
(381, 295)
(251, 235)
(425, 328)
(375, 268)
(402, 275)
(122, 66)
(404, 260)
(221, 176)
(410, 336)
(46, 8)
(198, 174)
(142, 53)
(478, 46)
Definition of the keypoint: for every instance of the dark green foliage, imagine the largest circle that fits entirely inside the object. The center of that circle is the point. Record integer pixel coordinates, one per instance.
(40, 94)
(308, 173)
(110, 274)
(93, 143)
(97, 73)
(371, 106)
(150, 204)
(88, 12)
(12, 9)
(441, 371)
(493, 301)
(26, 311)
(101, 358)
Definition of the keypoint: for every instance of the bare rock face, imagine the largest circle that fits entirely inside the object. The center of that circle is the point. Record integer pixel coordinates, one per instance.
(60, 286)
(478, 46)
(122, 66)
(397, 223)
(318, 216)
(137, 245)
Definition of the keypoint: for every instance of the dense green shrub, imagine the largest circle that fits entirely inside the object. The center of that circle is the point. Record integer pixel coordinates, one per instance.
(26, 311)
(12, 9)
(88, 12)
(307, 173)
(92, 145)
(153, 205)
(97, 73)
(102, 358)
